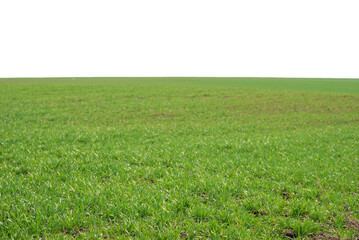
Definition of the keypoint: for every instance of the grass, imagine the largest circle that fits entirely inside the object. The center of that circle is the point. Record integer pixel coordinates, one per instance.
(171, 158)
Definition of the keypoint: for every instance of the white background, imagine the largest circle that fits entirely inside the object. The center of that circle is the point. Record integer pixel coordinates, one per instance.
(269, 38)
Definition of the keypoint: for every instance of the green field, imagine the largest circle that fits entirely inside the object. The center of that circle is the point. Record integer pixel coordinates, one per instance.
(179, 158)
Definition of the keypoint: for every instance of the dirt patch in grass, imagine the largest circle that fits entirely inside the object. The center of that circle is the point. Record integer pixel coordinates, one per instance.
(289, 233)
(183, 235)
(323, 236)
(76, 232)
(286, 195)
(258, 213)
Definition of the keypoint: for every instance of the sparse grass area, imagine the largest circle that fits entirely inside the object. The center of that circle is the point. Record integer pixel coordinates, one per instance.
(173, 158)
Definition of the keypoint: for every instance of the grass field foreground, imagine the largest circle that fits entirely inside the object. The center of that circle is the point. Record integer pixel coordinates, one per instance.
(172, 158)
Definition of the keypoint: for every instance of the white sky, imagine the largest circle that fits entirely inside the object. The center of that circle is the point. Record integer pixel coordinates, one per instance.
(269, 38)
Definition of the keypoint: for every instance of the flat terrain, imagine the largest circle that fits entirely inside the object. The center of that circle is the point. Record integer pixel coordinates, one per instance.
(179, 158)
